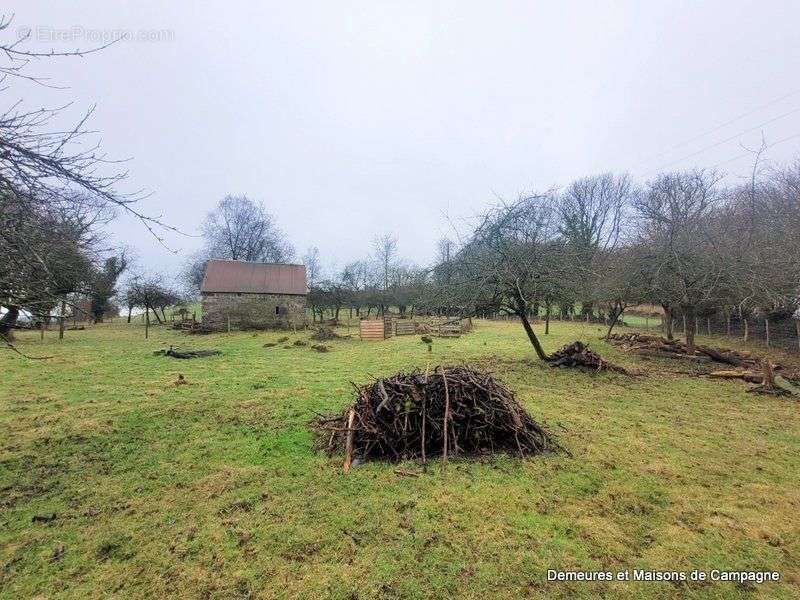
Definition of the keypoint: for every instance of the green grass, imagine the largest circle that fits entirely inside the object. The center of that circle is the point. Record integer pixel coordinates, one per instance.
(213, 489)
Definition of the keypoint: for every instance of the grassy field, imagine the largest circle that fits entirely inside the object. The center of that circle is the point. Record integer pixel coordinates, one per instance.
(213, 489)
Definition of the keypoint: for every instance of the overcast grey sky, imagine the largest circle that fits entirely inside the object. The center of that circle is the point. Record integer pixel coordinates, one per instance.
(352, 119)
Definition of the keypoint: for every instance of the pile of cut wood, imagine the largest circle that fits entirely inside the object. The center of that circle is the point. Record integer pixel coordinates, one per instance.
(750, 368)
(450, 411)
(660, 347)
(577, 354)
(192, 327)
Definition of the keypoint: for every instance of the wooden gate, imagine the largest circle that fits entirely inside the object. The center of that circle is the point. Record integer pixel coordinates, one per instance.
(375, 329)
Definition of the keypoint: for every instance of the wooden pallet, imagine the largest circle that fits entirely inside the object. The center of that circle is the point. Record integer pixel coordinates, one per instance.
(405, 328)
(375, 329)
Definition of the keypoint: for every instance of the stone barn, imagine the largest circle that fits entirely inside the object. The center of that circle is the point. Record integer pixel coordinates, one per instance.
(251, 295)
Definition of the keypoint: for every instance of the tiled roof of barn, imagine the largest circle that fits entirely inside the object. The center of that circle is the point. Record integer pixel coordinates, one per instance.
(236, 276)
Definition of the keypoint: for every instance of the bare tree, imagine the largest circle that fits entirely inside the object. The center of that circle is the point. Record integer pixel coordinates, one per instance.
(152, 294)
(45, 255)
(103, 285)
(316, 296)
(241, 229)
(513, 259)
(312, 261)
(385, 248)
(591, 211)
(686, 267)
(47, 176)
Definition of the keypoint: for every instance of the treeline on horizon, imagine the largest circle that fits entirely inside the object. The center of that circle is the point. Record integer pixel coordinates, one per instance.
(681, 241)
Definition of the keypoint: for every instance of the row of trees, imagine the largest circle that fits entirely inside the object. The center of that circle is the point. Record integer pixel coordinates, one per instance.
(681, 241)
(378, 282)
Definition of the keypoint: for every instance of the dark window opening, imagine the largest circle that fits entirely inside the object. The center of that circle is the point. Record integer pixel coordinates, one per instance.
(277, 310)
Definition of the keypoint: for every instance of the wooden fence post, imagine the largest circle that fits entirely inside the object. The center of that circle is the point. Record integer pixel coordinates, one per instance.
(684, 324)
(708, 323)
(229, 323)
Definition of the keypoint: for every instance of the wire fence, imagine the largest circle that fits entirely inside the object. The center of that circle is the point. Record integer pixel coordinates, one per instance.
(783, 334)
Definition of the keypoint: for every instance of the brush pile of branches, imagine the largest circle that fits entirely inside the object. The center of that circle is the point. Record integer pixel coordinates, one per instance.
(192, 327)
(660, 347)
(324, 334)
(577, 354)
(451, 411)
(186, 354)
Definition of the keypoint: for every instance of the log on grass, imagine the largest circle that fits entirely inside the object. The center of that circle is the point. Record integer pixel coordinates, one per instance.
(672, 355)
(749, 376)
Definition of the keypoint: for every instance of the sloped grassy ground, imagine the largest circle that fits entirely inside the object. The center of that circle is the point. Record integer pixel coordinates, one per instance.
(213, 489)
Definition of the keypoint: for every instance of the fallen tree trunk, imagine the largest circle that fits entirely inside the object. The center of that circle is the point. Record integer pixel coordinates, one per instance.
(724, 357)
(749, 376)
(672, 355)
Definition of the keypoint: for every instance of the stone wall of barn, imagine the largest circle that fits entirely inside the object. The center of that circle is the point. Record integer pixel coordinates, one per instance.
(253, 311)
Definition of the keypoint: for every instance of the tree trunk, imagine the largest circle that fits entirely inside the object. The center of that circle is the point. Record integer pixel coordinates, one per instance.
(130, 310)
(547, 320)
(146, 322)
(746, 330)
(769, 375)
(616, 312)
(766, 329)
(537, 346)
(667, 322)
(61, 320)
(8, 321)
(690, 322)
